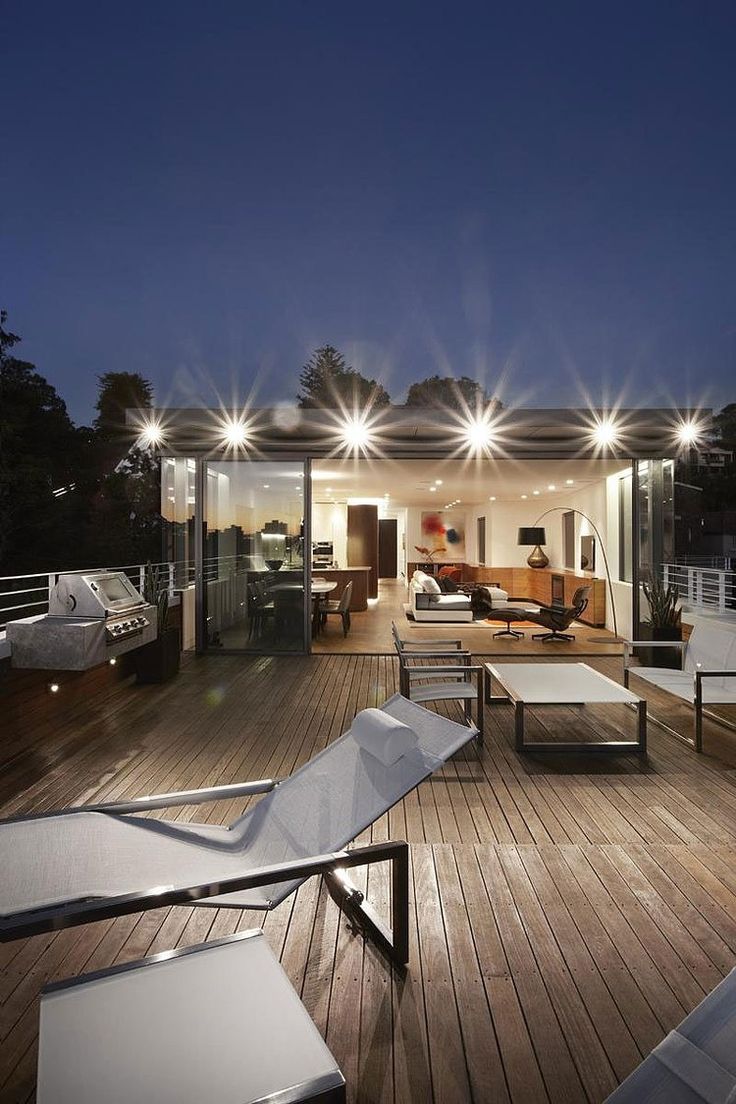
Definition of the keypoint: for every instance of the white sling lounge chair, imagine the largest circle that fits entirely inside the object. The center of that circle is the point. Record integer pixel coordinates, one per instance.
(98, 861)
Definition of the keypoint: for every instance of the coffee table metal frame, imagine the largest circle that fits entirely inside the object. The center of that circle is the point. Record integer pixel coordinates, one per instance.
(639, 745)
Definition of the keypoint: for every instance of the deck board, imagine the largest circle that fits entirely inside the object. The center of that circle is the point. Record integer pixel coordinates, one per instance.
(567, 911)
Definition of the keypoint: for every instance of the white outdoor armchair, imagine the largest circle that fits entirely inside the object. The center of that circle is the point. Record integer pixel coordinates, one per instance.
(100, 861)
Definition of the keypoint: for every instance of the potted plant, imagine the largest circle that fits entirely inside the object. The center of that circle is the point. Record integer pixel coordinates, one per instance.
(664, 623)
(159, 660)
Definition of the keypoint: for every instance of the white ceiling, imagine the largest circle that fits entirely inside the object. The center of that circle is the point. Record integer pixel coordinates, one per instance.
(469, 482)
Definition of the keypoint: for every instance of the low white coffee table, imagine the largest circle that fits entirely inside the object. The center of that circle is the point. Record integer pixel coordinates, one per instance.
(561, 684)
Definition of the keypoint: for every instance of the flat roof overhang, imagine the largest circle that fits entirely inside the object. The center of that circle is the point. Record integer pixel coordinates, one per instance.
(419, 433)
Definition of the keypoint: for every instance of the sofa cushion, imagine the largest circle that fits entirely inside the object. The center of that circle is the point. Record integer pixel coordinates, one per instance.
(497, 596)
(450, 602)
(430, 585)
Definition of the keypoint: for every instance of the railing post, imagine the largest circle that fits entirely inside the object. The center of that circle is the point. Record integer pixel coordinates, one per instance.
(141, 577)
(721, 591)
(171, 578)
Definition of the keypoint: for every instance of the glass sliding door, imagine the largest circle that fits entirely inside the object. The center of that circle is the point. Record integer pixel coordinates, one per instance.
(254, 584)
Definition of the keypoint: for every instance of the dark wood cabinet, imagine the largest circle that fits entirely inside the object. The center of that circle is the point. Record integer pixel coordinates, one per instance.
(363, 542)
(388, 537)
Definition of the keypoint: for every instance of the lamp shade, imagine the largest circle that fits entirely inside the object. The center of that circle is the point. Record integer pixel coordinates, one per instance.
(531, 534)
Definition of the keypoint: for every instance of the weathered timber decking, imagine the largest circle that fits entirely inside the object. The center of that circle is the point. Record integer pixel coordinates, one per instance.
(567, 911)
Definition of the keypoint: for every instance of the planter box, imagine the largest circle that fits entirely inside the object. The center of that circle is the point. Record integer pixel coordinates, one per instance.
(159, 661)
(660, 657)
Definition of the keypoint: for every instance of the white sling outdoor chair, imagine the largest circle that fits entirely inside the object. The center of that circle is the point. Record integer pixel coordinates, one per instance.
(98, 861)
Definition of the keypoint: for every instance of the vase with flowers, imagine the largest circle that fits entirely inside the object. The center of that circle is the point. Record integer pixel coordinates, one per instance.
(429, 553)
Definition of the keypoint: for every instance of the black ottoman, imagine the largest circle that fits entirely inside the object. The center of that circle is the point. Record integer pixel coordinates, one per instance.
(509, 616)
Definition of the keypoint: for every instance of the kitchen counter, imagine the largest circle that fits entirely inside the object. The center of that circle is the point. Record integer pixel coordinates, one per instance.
(342, 576)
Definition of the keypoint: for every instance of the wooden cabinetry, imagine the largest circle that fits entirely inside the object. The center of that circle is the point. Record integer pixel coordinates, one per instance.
(363, 542)
(536, 584)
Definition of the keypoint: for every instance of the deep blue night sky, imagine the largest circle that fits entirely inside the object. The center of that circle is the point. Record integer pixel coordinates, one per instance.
(203, 193)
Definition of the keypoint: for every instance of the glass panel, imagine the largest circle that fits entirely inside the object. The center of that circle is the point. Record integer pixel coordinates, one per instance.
(177, 510)
(254, 556)
(625, 567)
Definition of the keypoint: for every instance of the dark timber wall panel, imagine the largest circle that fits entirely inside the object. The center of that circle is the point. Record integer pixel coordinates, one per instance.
(363, 542)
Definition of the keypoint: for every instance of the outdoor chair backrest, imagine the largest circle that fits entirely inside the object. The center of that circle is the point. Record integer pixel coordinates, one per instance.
(711, 648)
(346, 598)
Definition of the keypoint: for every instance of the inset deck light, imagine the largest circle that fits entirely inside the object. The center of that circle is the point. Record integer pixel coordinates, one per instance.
(53, 687)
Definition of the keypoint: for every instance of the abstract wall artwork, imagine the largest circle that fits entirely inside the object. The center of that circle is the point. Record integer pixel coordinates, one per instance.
(443, 532)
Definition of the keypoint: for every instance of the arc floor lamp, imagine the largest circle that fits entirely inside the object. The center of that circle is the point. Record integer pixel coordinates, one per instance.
(535, 535)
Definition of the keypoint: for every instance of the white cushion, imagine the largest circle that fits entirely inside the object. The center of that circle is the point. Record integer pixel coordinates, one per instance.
(496, 595)
(419, 576)
(430, 585)
(382, 736)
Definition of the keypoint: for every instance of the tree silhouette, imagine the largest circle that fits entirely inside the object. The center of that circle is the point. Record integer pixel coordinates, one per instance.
(448, 393)
(327, 381)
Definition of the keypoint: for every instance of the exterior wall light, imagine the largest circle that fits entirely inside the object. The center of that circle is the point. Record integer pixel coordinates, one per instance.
(479, 434)
(355, 433)
(605, 433)
(234, 433)
(151, 435)
(688, 433)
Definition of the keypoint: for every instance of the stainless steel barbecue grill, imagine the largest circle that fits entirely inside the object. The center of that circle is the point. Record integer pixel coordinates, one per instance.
(93, 616)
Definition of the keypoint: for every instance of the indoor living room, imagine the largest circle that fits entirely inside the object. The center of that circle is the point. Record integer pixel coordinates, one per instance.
(388, 525)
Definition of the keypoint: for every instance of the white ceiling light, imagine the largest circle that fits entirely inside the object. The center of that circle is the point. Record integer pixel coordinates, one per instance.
(438, 482)
(479, 434)
(551, 487)
(355, 433)
(151, 434)
(688, 433)
(234, 433)
(605, 433)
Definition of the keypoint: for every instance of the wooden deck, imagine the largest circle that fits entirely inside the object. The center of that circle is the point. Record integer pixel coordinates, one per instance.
(567, 911)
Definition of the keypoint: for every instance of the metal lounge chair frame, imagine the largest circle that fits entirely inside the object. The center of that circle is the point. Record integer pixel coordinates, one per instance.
(54, 909)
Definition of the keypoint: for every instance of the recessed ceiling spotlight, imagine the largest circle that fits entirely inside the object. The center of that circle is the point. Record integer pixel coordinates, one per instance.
(234, 433)
(688, 433)
(355, 433)
(569, 482)
(151, 436)
(535, 492)
(266, 486)
(492, 498)
(433, 489)
(438, 482)
(551, 487)
(525, 496)
(54, 687)
(478, 434)
(605, 433)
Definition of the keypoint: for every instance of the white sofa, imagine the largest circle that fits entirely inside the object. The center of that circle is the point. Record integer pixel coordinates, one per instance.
(428, 603)
(707, 675)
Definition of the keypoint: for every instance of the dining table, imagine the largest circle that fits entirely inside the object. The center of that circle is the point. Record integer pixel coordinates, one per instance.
(320, 589)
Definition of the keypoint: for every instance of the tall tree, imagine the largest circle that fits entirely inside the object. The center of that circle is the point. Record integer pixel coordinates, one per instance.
(327, 381)
(724, 423)
(448, 393)
(40, 453)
